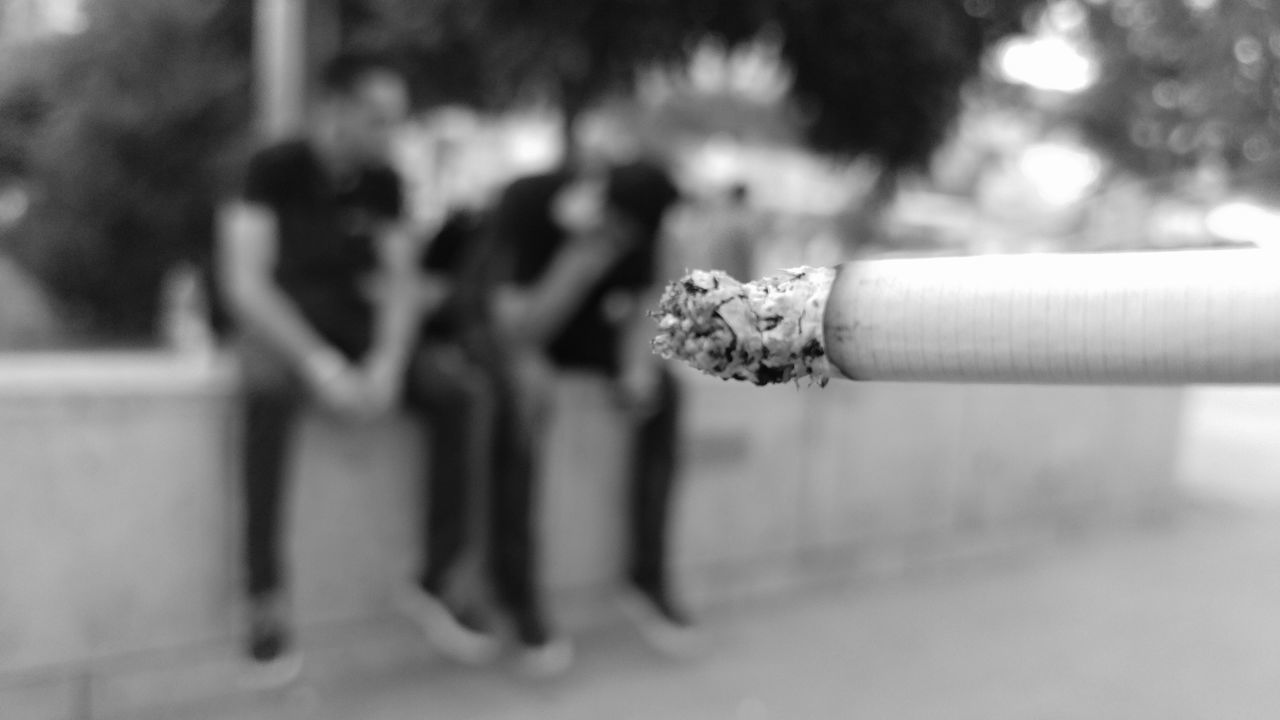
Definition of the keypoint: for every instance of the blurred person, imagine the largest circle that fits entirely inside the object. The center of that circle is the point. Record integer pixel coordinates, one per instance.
(319, 219)
(457, 395)
(598, 325)
(480, 388)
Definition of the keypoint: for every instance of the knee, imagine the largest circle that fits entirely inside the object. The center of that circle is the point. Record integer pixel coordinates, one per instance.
(445, 379)
(669, 394)
(266, 374)
(532, 388)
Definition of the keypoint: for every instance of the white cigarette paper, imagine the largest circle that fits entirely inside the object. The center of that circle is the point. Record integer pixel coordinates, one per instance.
(1128, 318)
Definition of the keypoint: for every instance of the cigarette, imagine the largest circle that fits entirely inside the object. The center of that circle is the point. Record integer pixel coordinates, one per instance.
(1149, 318)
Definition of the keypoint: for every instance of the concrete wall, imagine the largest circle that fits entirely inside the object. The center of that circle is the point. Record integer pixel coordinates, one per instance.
(118, 509)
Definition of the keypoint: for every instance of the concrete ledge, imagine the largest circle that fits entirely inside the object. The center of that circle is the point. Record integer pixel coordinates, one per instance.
(51, 696)
(114, 373)
(119, 510)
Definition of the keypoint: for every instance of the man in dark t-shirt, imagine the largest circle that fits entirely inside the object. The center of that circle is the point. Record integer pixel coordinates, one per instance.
(326, 230)
(484, 384)
(595, 322)
(317, 275)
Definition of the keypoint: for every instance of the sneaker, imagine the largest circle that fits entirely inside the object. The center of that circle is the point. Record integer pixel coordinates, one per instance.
(444, 630)
(547, 660)
(276, 662)
(660, 622)
(542, 656)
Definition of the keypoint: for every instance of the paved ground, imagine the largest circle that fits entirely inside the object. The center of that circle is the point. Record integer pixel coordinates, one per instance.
(1233, 445)
(1160, 624)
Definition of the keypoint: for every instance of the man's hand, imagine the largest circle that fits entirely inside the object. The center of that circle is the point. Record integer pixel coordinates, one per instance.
(428, 293)
(338, 386)
(607, 241)
(384, 378)
(512, 314)
(639, 387)
(431, 293)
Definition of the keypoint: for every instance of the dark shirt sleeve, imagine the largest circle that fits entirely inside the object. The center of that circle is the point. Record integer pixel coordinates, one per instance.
(267, 180)
(386, 195)
(513, 220)
(643, 194)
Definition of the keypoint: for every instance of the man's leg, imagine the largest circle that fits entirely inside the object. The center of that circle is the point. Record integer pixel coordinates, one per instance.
(523, 396)
(272, 399)
(512, 530)
(654, 456)
(452, 398)
(449, 396)
(269, 416)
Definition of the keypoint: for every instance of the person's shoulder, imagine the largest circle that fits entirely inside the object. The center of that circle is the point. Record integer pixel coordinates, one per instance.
(642, 186)
(282, 155)
(383, 174)
(642, 168)
(543, 183)
(642, 175)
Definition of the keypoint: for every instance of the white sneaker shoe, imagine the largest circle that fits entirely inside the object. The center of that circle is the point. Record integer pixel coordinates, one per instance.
(278, 672)
(274, 660)
(547, 661)
(664, 629)
(443, 629)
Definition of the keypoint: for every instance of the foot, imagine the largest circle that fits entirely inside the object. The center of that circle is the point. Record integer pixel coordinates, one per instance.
(660, 621)
(447, 633)
(270, 645)
(542, 655)
(551, 659)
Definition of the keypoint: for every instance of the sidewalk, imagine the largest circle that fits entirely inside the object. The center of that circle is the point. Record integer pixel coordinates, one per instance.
(1163, 623)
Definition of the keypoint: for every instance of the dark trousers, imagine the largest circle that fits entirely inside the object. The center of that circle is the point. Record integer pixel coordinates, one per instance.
(273, 397)
(480, 441)
(481, 476)
(473, 416)
(514, 449)
(654, 456)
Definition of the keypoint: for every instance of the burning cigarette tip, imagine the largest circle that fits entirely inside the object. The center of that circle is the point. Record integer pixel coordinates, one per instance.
(764, 332)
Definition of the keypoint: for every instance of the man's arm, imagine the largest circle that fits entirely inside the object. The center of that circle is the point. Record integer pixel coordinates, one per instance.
(640, 372)
(597, 238)
(535, 314)
(402, 299)
(248, 248)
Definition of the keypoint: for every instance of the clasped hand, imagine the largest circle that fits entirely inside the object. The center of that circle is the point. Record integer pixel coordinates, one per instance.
(362, 392)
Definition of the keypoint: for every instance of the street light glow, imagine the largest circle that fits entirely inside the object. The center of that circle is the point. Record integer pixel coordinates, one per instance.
(1243, 221)
(1061, 174)
(1048, 63)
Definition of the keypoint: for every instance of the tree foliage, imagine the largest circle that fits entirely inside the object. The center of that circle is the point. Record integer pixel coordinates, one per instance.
(1185, 81)
(126, 132)
(878, 77)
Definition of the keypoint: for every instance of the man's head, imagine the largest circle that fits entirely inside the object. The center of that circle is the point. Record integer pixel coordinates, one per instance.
(362, 101)
(605, 139)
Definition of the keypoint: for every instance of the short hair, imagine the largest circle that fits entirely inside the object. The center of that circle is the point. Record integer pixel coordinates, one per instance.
(643, 191)
(343, 74)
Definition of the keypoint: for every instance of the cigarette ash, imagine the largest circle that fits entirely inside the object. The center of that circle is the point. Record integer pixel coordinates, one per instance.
(764, 332)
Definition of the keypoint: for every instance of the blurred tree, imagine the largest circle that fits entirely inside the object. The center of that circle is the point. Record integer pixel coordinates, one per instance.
(125, 131)
(23, 105)
(1186, 83)
(878, 77)
(124, 134)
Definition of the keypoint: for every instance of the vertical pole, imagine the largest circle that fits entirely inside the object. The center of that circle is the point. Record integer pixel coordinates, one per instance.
(280, 57)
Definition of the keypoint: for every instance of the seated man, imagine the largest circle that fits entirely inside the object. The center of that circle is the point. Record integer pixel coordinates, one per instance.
(318, 221)
(601, 326)
(482, 386)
